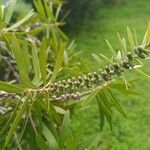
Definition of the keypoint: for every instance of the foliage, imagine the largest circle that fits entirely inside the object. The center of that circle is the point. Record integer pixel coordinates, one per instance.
(37, 105)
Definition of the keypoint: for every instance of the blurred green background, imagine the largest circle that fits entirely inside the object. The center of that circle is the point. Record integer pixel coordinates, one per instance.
(91, 22)
(132, 133)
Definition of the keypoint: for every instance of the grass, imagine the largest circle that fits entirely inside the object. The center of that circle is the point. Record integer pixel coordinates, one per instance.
(128, 133)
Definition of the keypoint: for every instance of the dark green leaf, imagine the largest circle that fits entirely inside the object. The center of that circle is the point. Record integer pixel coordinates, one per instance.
(43, 59)
(16, 121)
(41, 143)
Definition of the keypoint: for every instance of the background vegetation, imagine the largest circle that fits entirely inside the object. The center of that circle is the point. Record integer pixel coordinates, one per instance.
(128, 133)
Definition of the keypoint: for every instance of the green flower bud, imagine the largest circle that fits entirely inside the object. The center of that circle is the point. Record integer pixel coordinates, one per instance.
(55, 84)
(99, 71)
(76, 83)
(64, 82)
(112, 72)
(72, 95)
(95, 74)
(107, 69)
(80, 78)
(63, 97)
(105, 76)
(82, 84)
(93, 80)
(59, 82)
(142, 56)
(90, 75)
(115, 65)
(85, 78)
(126, 65)
(68, 95)
(73, 78)
(140, 49)
(69, 81)
(130, 57)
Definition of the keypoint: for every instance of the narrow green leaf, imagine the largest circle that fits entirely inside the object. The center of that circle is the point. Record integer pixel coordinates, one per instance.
(59, 61)
(47, 10)
(105, 106)
(135, 38)
(57, 12)
(97, 59)
(124, 45)
(2, 8)
(130, 38)
(18, 55)
(142, 73)
(25, 53)
(52, 17)
(19, 23)
(13, 115)
(64, 36)
(24, 125)
(40, 9)
(64, 127)
(85, 144)
(43, 59)
(116, 104)
(26, 81)
(66, 57)
(54, 39)
(78, 134)
(9, 11)
(110, 47)
(35, 61)
(52, 142)
(105, 58)
(120, 41)
(16, 121)
(101, 113)
(41, 143)
(146, 39)
(69, 142)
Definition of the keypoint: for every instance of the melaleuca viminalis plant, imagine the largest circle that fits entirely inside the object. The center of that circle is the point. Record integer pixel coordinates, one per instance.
(36, 97)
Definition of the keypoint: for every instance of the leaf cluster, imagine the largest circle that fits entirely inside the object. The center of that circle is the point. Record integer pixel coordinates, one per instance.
(30, 116)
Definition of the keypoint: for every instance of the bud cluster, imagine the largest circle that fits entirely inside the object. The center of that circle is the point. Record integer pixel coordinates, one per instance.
(76, 87)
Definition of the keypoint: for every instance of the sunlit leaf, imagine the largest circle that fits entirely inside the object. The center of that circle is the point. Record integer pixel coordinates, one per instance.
(111, 48)
(130, 38)
(20, 22)
(146, 39)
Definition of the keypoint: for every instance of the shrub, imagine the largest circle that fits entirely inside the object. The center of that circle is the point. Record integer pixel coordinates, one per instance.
(37, 102)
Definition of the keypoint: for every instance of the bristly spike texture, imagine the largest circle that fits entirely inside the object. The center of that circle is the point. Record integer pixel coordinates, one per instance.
(77, 87)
